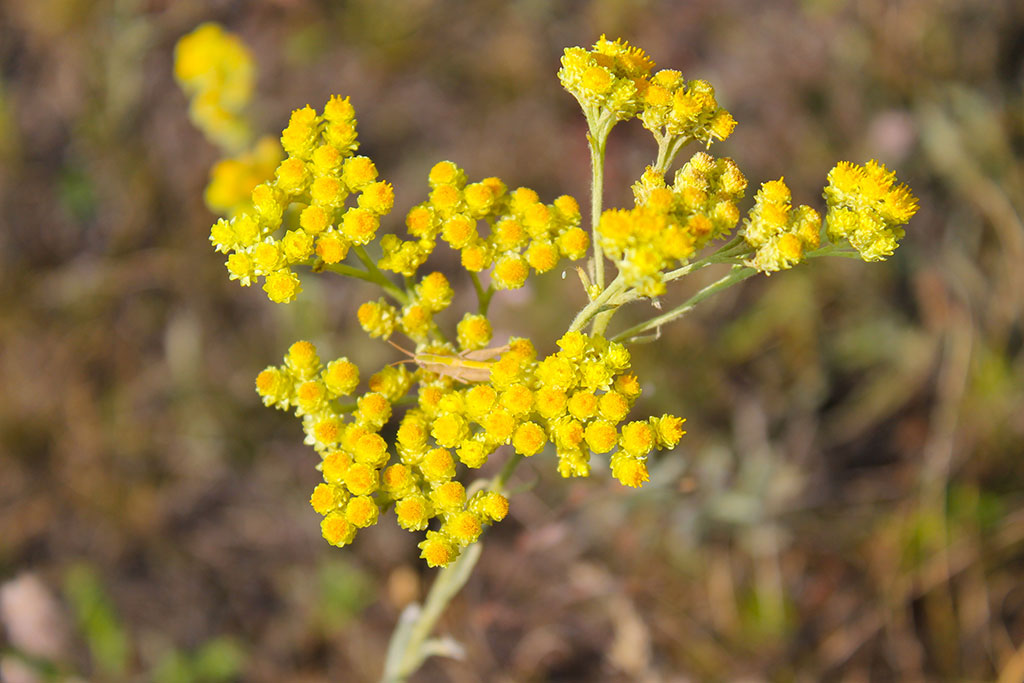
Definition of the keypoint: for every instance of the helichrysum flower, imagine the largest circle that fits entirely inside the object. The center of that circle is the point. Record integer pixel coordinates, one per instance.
(609, 80)
(670, 223)
(215, 68)
(340, 203)
(454, 404)
(684, 110)
(513, 232)
(868, 208)
(575, 399)
(780, 234)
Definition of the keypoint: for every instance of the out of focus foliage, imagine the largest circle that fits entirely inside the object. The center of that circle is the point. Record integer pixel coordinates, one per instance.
(849, 504)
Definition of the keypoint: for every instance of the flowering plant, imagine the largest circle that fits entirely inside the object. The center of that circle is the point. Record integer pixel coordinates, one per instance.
(314, 206)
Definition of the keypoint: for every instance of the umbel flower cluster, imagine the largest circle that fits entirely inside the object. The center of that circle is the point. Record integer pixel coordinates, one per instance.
(576, 399)
(406, 440)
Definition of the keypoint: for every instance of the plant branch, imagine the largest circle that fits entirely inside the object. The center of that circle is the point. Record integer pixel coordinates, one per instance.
(609, 296)
(597, 140)
(375, 275)
(736, 275)
(483, 296)
(411, 643)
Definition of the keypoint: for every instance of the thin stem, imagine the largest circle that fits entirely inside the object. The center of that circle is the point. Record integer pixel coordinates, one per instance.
(483, 296)
(598, 139)
(737, 274)
(375, 275)
(594, 307)
(498, 483)
(833, 250)
(409, 645)
(668, 148)
(734, 247)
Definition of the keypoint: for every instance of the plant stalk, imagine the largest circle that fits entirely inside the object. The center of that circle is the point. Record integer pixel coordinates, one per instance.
(411, 644)
(736, 275)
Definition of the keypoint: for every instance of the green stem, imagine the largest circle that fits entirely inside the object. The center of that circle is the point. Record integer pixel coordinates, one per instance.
(597, 139)
(375, 275)
(727, 252)
(737, 274)
(483, 296)
(605, 298)
(348, 271)
(410, 645)
(833, 250)
(668, 148)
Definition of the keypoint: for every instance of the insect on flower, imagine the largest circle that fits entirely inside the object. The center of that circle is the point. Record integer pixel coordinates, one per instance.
(468, 367)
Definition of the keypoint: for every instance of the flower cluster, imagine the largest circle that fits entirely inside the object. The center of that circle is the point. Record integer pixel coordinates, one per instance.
(215, 69)
(415, 319)
(670, 223)
(867, 208)
(779, 234)
(521, 231)
(401, 443)
(674, 108)
(318, 176)
(576, 399)
(359, 479)
(608, 80)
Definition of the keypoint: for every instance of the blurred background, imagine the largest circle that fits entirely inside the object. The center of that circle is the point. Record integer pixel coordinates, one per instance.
(848, 504)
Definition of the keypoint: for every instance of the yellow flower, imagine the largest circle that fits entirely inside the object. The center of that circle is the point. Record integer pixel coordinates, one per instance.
(435, 292)
(377, 318)
(464, 527)
(413, 513)
(868, 208)
(448, 496)
(216, 69)
(373, 410)
(396, 479)
(337, 530)
(637, 439)
(341, 377)
(473, 454)
(459, 231)
(601, 436)
(551, 402)
(361, 479)
(668, 429)
(491, 505)
(583, 405)
(326, 497)
(377, 198)
(474, 332)
(780, 234)
(358, 172)
(371, 449)
(274, 387)
(630, 472)
(446, 173)
(359, 225)
(438, 466)
(437, 550)
(335, 465)
(331, 247)
(529, 439)
(310, 397)
(449, 430)
(361, 511)
(517, 399)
